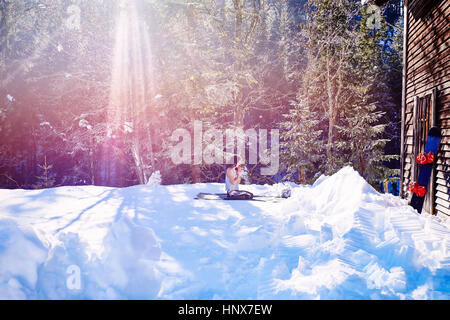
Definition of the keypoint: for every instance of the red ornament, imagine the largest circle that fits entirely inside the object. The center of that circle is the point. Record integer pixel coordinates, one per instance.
(414, 187)
(421, 158)
(430, 157)
(424, 158)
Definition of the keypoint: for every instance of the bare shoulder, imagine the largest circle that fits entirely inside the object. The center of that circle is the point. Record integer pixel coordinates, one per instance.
(229, 171)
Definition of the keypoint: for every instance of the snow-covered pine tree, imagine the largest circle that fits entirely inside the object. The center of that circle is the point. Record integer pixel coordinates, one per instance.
(329, 42)
(362, 144)
(371, 106)
(302, 148)
(346, 84)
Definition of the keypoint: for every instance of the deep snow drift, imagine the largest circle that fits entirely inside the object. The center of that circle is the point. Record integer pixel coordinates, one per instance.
(336, 239)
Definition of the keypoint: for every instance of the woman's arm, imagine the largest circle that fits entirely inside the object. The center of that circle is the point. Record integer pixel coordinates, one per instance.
(230, 175)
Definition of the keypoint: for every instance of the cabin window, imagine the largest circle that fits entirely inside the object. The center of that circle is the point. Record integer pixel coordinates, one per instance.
(424, 118)
(423, 124)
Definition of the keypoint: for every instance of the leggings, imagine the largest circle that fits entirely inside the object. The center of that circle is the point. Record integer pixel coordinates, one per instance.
(240, 195)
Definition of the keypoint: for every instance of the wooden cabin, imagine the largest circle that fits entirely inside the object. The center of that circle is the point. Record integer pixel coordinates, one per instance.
(426, 97)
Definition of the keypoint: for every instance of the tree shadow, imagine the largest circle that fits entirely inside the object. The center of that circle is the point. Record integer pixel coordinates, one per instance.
(48, 195)
(82, 212)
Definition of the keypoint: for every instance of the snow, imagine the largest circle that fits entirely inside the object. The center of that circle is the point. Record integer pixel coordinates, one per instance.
(336, 239)
(46, 123)
(83, 123)
(128, 127)
(155, 179)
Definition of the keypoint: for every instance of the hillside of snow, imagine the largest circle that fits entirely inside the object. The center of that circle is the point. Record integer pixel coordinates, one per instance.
(336, 239)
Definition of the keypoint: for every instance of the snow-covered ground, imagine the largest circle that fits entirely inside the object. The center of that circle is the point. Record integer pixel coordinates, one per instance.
(336, 239)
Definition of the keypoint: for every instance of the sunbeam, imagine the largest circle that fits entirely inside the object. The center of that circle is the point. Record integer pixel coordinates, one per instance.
(131, 80)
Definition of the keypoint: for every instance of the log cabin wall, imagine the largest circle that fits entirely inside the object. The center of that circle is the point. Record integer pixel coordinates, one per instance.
(426, 96)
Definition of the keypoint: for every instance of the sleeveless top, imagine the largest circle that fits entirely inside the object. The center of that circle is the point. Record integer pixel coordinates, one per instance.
(228, 185)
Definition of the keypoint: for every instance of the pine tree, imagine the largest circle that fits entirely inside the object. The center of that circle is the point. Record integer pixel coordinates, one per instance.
(372, 107)
(345, 85)
(302, 149)
(45, 180)
(362, 137)
(329, 31)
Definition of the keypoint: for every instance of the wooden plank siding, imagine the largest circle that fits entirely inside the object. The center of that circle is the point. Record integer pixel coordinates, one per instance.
(427, 68)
